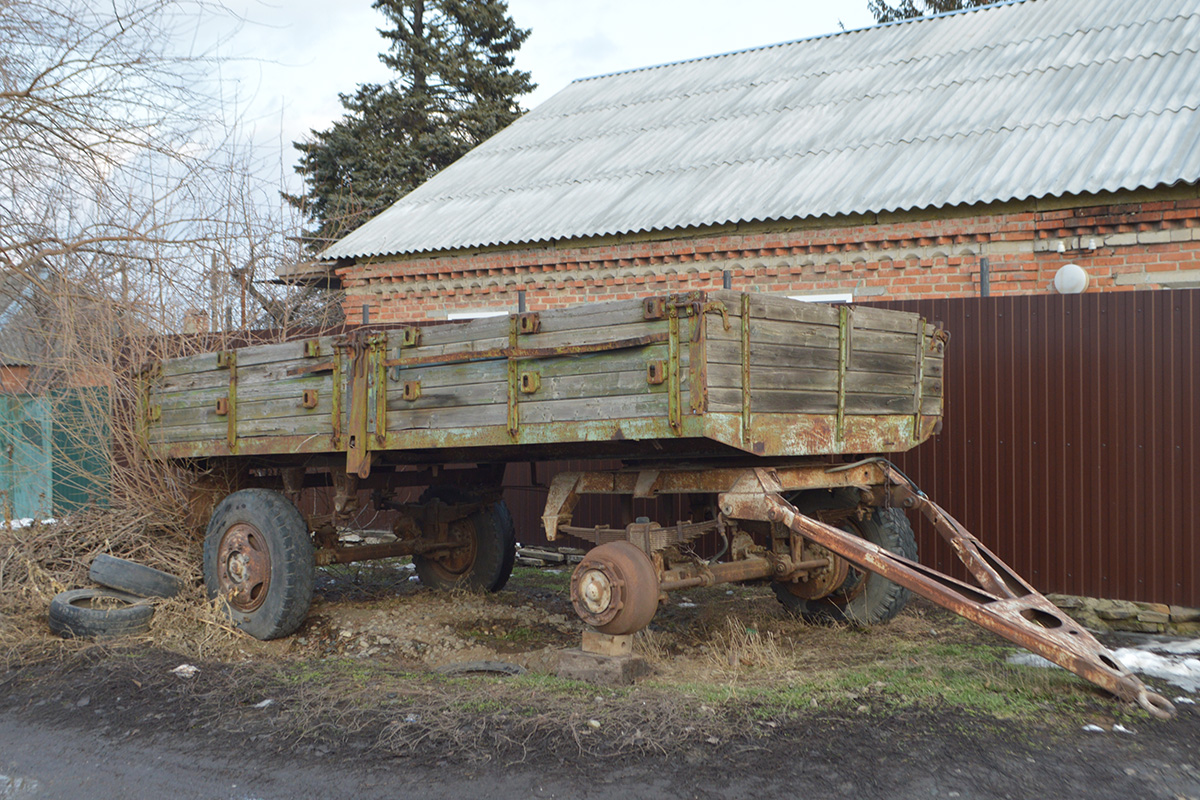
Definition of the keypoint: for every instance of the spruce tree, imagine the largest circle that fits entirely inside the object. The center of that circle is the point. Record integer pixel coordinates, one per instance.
(455, 86)
(885, 11)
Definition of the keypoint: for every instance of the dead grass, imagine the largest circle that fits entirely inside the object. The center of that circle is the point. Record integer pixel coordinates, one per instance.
(39, 561)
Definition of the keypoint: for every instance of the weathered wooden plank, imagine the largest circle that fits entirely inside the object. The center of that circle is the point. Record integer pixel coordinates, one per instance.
(728, 376)
(596, 335)
(881, 342)
(879, 383)
(438, 376)
(883, 363)
(426, 349)
(458, 333)
(438, 418)
(784, 309)
(773, 355)
(883, 319)
(286, 351)
(276, 426)
(880, 404)
(247, 410)
(931, 406)
(595, 408)
(203, 398)
(796, 402)
(592, 315)
(258, 373)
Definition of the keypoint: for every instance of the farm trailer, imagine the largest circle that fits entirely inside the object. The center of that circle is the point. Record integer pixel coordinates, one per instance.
(769, 415)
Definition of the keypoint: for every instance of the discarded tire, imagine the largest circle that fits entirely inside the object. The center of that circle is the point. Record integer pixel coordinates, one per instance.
(480, 667)
(99, 614)
(128, 576)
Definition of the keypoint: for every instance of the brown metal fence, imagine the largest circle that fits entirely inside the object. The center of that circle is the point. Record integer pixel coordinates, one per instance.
(1070, 447)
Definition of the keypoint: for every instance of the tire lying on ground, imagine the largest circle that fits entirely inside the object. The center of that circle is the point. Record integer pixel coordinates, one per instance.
(99, 614)
(138, 579)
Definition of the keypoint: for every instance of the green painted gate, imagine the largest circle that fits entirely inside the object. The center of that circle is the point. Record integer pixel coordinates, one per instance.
(26, 477)
(54, 452)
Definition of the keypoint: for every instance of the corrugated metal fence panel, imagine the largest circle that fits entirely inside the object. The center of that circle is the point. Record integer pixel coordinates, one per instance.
(1071, 439)
(1071, 443)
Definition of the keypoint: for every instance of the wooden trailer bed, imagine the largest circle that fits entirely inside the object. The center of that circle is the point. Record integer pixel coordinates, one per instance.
(697, 374)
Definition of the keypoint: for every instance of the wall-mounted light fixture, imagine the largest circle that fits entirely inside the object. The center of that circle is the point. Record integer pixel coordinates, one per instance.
(1071, 279)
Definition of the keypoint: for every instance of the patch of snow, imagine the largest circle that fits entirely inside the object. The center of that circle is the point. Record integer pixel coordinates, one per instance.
(1171, 660)
(1184, 701)
(1119, 728)
(686, 604)
(1178, 669)
(264, 703)
(1027, 659)
(1094, 729)
(554, 571)
(413, 578)
(186, 671)
(25, 522)
(406, 566)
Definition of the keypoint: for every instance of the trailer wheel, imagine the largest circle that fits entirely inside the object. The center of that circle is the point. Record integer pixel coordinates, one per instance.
(864, 598)
(485, 563)
(258, 558)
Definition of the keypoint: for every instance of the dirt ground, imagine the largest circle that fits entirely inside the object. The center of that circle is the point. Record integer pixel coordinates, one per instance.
(742, 701)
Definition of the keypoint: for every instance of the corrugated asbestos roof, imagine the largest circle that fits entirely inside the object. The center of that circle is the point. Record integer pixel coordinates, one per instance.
(1027, 99)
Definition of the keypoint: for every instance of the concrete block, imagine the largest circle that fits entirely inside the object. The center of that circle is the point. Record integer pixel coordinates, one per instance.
(1120, 239)
(1154, 237)
(601, 670)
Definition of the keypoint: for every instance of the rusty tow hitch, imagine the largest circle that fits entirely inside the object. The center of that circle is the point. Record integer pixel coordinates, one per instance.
(1003, 602)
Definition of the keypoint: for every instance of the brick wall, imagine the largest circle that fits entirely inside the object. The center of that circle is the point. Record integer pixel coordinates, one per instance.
(1125, 241)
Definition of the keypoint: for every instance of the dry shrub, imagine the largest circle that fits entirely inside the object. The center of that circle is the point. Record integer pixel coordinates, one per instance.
(738, 647)
(39, 561)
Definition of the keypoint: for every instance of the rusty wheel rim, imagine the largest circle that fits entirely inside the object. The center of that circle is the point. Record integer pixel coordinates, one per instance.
(245, 567)
(824, 581)
(459, 561)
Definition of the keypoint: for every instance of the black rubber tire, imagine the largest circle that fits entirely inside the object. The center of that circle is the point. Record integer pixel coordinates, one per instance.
(880, 600)
(282, 530)
(495, 548)
(129, 576)
(72, 615)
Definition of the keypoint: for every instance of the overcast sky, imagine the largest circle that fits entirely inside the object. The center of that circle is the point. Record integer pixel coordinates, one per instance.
(294, 56)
